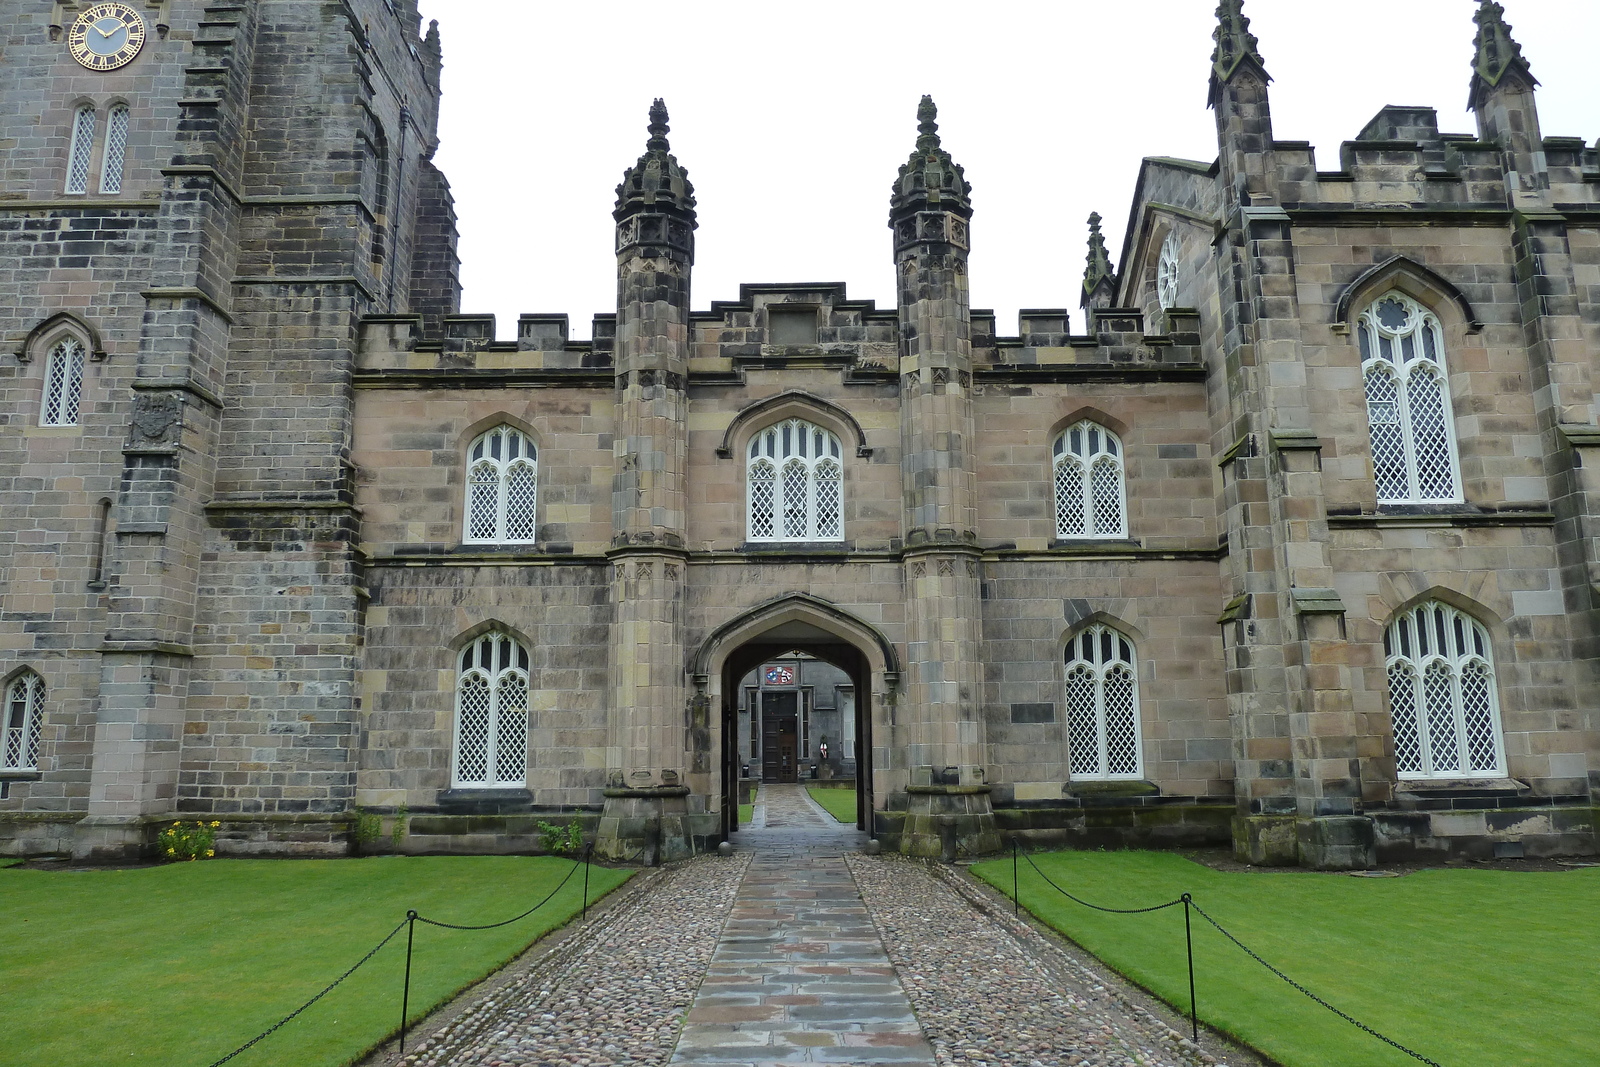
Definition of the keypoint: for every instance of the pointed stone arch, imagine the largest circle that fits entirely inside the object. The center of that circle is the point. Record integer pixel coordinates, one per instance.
(802, 608)
(1426, 286)
(794, 403)
(62, 322)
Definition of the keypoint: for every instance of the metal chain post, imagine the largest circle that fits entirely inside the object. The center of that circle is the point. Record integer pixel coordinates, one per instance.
(405, 996)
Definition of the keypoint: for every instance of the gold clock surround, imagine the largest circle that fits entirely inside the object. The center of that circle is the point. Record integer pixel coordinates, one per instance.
(106, 36)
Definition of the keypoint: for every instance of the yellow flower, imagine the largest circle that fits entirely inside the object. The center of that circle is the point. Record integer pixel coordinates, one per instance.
(210, 852)
(214, 825)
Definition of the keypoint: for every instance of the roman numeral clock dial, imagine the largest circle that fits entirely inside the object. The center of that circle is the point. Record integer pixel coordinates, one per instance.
(106, 36)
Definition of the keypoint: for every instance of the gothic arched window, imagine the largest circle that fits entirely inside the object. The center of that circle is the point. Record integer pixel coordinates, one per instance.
(63, 383)
(1442, 695)
(491, 742)
(81, 151)
(1103, 734)
(795, 483)
(1408, 403)
(502, 488)
(1091, 496)
(116, 149)
(23, 723)
(1167, 273)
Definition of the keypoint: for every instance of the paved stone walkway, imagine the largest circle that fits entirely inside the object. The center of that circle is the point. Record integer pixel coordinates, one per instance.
(800, 949)
(800, 975)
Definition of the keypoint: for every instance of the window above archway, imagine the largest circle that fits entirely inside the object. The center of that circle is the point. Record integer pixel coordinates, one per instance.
(794, 476)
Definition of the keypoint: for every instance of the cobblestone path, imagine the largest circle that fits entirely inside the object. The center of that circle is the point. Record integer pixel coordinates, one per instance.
(800, 975)
(800, 949)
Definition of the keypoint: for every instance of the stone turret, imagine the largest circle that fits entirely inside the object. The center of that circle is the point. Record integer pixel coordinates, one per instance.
(1099, 280)
(1239, 81)
(948, 809)
(1502, 97)
(649, 770)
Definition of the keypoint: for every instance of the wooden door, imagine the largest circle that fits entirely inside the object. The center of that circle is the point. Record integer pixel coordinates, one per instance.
(780, 740)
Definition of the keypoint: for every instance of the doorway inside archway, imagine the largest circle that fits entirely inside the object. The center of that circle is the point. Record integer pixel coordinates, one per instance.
(796, 707)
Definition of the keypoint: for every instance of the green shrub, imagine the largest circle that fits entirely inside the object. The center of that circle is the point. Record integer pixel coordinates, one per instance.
(560, 840)
(398, 834)
(369, 827)
(188, 841)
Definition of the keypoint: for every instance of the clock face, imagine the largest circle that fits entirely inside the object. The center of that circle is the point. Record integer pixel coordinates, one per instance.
(106, 36)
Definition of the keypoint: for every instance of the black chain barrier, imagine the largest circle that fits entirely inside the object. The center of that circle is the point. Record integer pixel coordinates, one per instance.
(1188, 902)
(329, 989)
(409, 925)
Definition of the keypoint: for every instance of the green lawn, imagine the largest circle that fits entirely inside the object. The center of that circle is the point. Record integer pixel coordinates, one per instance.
(841, 803)
(178, 965)
(746, 813)
(1464, 966)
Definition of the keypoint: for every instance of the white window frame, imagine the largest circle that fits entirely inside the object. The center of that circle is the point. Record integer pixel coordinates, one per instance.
(1167, 272)
(116, 152)
(80, 152)
(1397, 365)
(794, 484)
(489, 744)
(61, 400)
(1105, 738)
(1445, 724)
(1081, 454)
(22, 723)
(502, 490)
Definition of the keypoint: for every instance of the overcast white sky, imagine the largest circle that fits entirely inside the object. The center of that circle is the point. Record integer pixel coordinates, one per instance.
(792, 120)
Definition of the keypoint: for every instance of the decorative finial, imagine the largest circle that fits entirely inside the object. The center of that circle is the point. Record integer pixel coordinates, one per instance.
(658, 126)
(1496, 52)
(1098, 270)
(927, 128)
(1235, 45)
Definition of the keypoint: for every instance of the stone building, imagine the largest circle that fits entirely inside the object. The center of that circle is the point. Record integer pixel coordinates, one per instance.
(1290, 540)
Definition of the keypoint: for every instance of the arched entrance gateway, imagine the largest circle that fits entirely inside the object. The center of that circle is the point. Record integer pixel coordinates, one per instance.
(773, 728)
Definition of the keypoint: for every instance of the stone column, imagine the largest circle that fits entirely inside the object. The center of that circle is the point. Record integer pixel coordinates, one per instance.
(941, 724)
(649, 814)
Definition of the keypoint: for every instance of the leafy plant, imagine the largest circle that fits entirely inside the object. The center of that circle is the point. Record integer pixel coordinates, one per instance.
(369, 827)
(398, 834)
(188, 841)
(560, 840)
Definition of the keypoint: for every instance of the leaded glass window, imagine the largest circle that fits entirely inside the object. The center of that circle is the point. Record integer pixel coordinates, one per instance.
(1408, 403)
(1167, 273)
(116, 150)
(1442, 695)
(24, 722)
(1091, 493)
(502, 488)
(81, 150)
(63, 384)
(794, 474)
(491, 742)
(1102, 702)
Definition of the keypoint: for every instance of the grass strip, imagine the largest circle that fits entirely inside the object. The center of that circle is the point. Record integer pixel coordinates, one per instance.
(1464, 966)
(178, 965)
(840, 803)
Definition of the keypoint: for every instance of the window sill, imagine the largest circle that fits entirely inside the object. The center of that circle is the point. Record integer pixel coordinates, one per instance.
(485, 800)
(808, 548)
(21, 774)
(1439, 515)
(1094, 545)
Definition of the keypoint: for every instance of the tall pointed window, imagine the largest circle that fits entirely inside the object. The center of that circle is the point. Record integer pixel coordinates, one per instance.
(502, 488)
(24, 722)
(81, 150)
(1408, 403)
(116, 150)
(1103, 734)
(795, 482)
(1442, 695)
(491, 742)
(1167, 273)
(1091, 497)
(63, 384)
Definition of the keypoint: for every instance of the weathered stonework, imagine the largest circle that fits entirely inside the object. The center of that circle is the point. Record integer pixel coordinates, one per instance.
(244, 574)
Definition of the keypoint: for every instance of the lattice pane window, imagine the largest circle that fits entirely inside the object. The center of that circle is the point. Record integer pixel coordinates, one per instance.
(116, 150)
(1167, 273)
(1104, 737)
(794, 477)
(1090, 483)
(1408, 403)
(81, 150)
(502, 488)
(491, 736)
(63, 384)
(1442, 695)
(24, 723)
